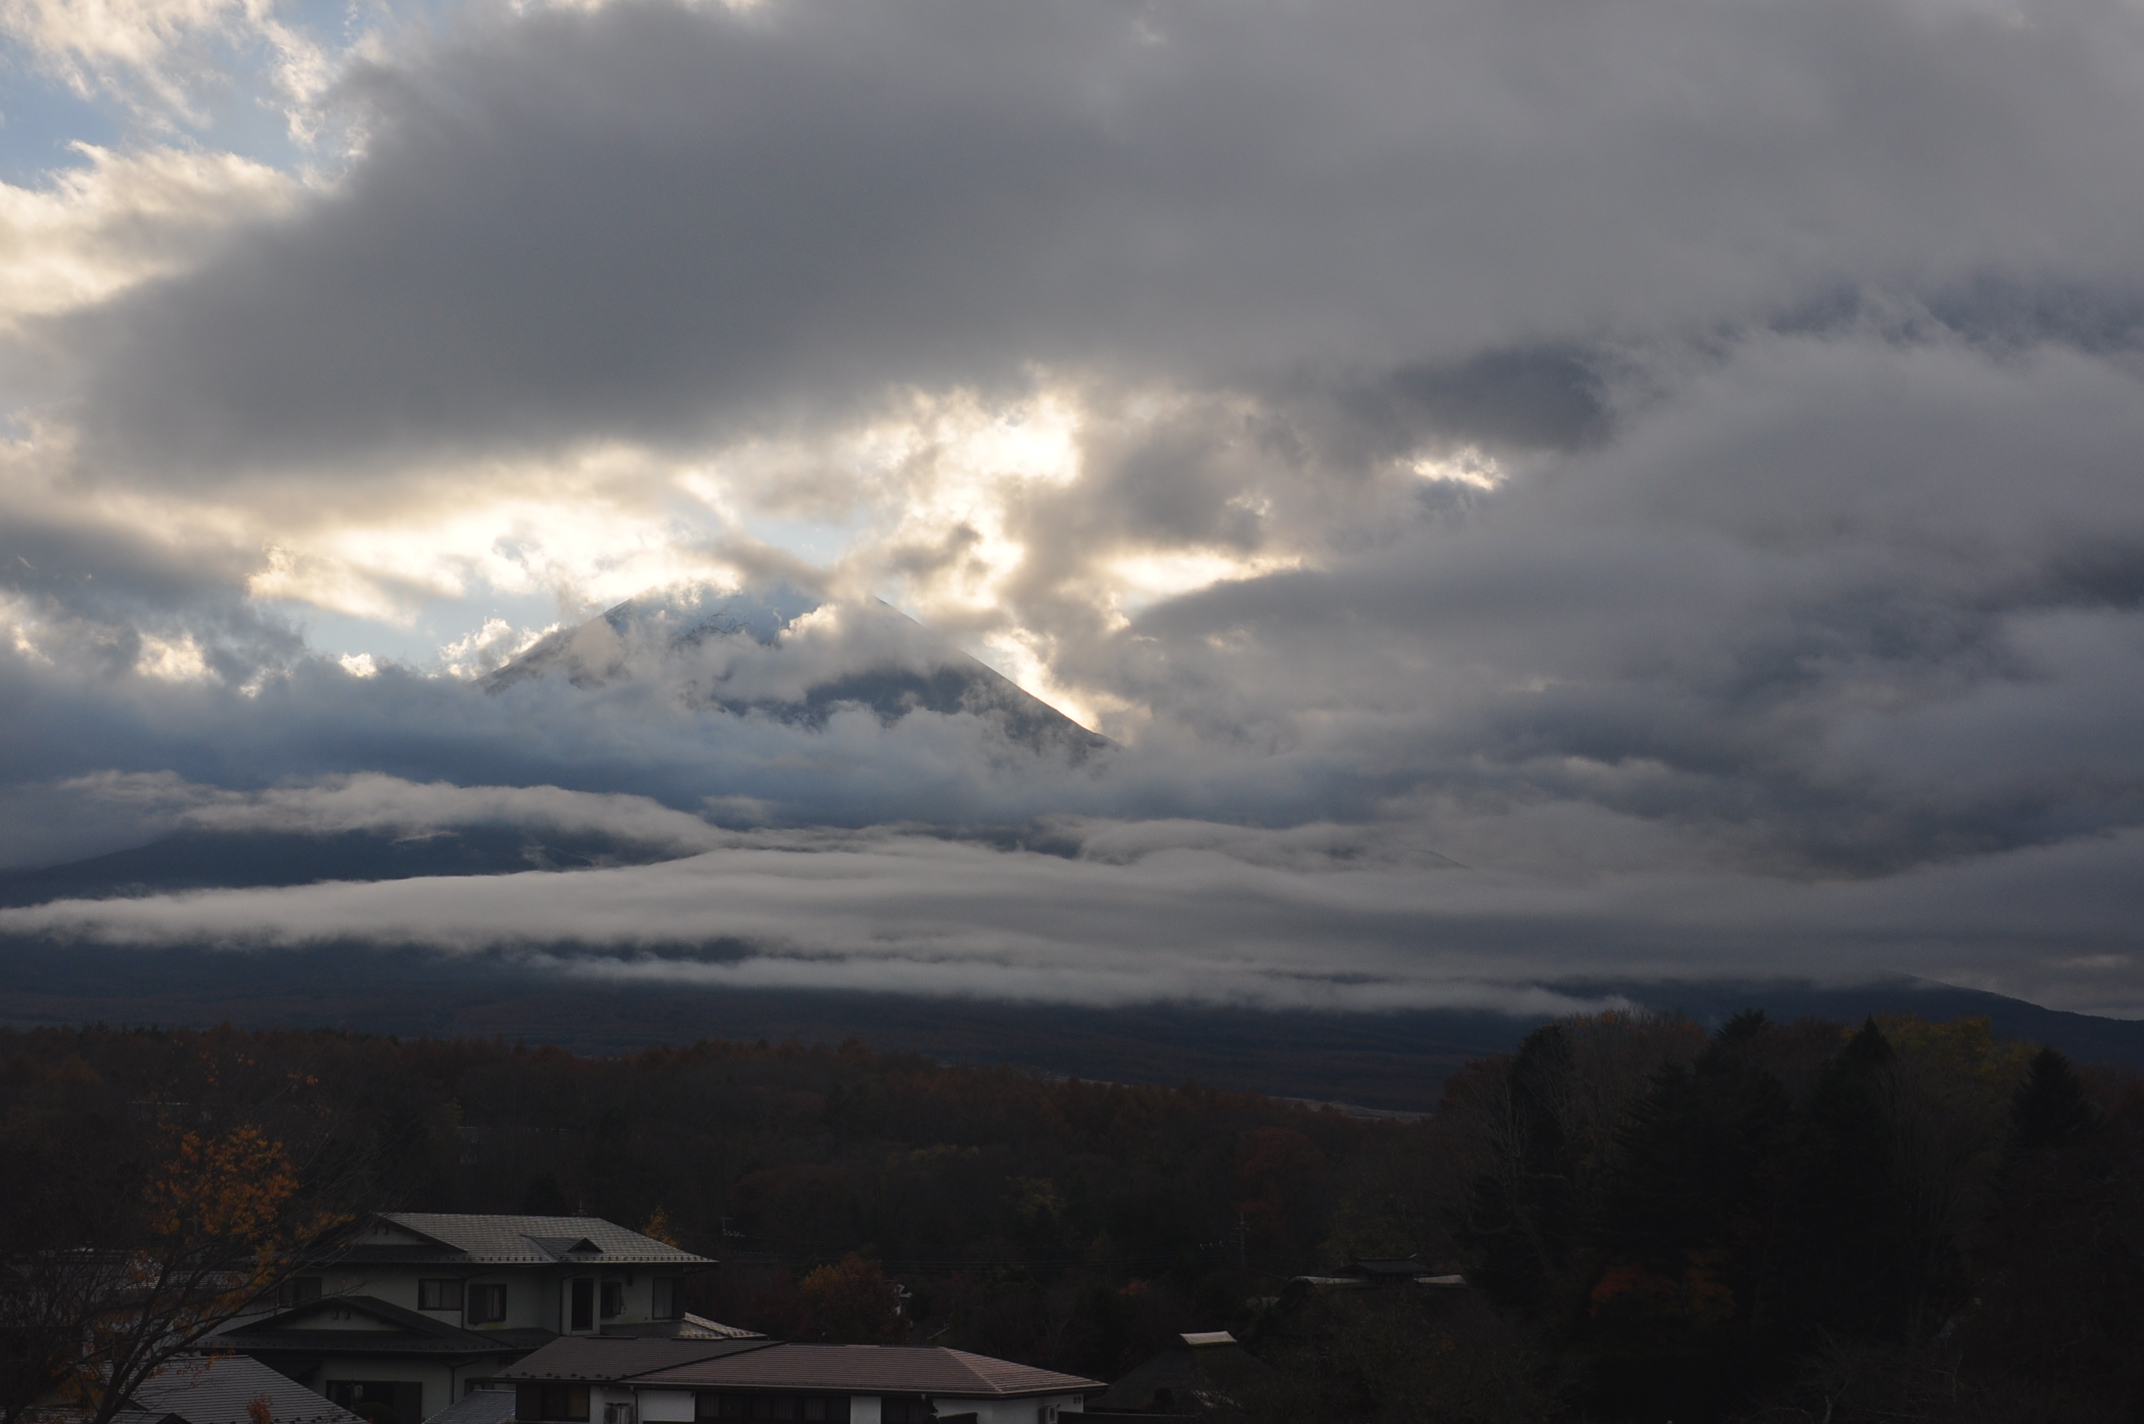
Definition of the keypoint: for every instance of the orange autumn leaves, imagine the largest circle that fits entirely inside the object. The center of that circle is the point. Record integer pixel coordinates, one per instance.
(234, 1195)
(234, 1185)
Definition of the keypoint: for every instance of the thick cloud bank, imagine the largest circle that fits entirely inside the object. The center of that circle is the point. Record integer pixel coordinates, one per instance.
(1531, 493)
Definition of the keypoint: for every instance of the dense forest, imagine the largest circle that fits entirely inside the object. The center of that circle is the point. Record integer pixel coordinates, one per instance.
(1899, 1220)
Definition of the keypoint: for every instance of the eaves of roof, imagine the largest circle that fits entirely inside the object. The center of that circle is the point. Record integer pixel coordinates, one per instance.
(369, 1342)
(414, 1332)
(600, 1359)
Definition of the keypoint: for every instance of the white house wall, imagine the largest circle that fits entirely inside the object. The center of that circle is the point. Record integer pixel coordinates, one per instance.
(1004, 1411)
(666, 1406)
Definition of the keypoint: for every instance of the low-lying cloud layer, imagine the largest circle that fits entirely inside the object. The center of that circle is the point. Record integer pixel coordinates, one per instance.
(1319, 916)
(1533, 493)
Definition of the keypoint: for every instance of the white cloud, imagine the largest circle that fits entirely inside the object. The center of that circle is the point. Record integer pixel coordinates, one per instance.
(164, 60)
(119, 219)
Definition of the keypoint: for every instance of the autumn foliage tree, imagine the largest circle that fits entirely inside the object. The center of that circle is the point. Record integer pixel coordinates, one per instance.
(142, 1227)
(221, 1221)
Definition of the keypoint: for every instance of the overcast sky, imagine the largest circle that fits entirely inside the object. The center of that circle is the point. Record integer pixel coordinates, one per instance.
(1536, 492)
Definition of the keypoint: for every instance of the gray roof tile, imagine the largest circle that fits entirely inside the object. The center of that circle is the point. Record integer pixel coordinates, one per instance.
(219, 1389)
(534, 1240)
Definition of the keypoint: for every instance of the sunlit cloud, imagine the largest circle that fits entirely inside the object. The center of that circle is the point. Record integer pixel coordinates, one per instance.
(118, 219)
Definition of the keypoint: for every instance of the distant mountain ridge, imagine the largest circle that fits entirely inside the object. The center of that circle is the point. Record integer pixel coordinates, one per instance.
(906, 669)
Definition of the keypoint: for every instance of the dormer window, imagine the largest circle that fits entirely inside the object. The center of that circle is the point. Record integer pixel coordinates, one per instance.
(299, 1290)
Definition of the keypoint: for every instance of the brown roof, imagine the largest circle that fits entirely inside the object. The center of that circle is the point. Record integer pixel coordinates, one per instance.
(601, 1358)
(868, 1369)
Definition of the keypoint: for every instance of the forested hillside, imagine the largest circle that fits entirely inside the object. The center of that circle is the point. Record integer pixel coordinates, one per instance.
(1899, 1220)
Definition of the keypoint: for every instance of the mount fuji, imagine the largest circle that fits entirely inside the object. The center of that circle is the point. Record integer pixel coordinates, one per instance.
(787, 655)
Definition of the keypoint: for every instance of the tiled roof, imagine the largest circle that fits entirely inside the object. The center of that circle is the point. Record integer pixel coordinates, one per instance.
(219, 1389)
(869, 1369)
(535, 1240)
(480, 1406)
(596, 1358)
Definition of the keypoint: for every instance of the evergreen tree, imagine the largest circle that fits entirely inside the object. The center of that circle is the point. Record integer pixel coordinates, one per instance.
(2051, 1107)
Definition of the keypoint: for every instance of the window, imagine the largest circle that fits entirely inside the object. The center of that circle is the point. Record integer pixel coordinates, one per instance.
(552, 1402)
(299, 1290)
(439, 1295)
(379, 1401)
(666, 1301)
(613, 1299)
(1045, 1414)
(583, 1309)
(906, 1411)
(487, 1304)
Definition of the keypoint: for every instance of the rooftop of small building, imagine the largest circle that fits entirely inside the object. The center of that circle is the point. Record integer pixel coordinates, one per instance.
(869, 1369)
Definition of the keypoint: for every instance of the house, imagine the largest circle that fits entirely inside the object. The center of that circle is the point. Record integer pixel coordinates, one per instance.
(1205, 1375)
(411, 1309)
(228, 1389)
(619, 1381)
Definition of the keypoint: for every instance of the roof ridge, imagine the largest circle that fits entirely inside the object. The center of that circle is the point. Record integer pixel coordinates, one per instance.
(966, 1361)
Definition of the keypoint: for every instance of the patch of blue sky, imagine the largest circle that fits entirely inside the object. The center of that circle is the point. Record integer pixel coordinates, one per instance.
(41, 118)
(815, 541)
(416, 644)
(230, 95)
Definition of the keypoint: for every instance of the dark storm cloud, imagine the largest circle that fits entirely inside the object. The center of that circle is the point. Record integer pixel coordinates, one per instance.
(1865, 604)
(650, 220)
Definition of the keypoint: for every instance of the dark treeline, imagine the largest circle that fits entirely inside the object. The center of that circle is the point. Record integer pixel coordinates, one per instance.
(1773, 1222)
(1779, 1222)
